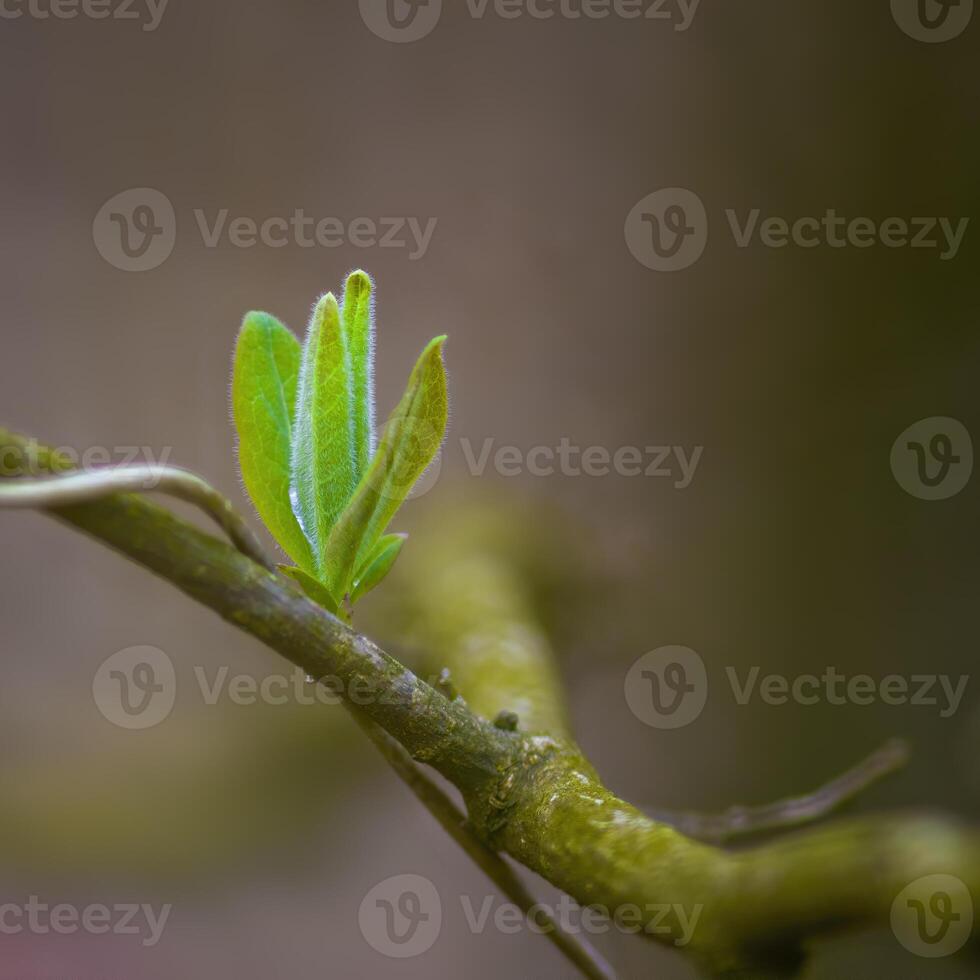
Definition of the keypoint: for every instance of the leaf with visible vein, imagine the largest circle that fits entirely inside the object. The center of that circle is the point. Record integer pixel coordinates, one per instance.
(377, 565)
(410, 441)
(266, 372)
(323, 460)
(358, 326)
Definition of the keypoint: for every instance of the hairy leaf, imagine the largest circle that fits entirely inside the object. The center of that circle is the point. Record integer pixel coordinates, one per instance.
(313, 589)
(324, 471)
(264, 382)
(377, 565)
(358, 326)
(410, 441)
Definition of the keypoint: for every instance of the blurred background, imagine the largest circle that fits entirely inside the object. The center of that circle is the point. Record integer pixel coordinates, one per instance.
(517, 146)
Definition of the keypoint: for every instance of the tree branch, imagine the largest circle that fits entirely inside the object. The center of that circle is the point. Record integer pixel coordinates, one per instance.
(757, 906)
(55, 492)
(466, 749)
(536, 797)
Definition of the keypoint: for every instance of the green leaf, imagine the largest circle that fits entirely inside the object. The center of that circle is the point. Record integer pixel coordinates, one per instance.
(410, 441)
(324, 470)
(377, 565)
(358, 326)
(263, 398)
(313, 589)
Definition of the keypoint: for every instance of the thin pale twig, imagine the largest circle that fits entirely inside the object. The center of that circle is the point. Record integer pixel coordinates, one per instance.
(738, 821)
(84, 487)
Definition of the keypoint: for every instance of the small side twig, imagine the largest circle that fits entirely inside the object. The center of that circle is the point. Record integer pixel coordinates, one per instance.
(579, 951)
(739, 821)
(83, 487)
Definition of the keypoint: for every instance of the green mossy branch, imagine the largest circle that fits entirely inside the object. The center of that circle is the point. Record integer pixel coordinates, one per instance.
(469, 611)
(531, 792)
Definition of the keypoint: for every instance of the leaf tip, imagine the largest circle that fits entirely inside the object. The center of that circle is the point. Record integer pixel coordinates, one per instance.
(256, 320)
(358, 283)
(324, 304)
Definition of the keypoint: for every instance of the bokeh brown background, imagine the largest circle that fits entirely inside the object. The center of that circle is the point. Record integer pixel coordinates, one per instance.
(793, 548)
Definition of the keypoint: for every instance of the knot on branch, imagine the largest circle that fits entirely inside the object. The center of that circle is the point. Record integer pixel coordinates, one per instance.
(506, 721)
(537, 759)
